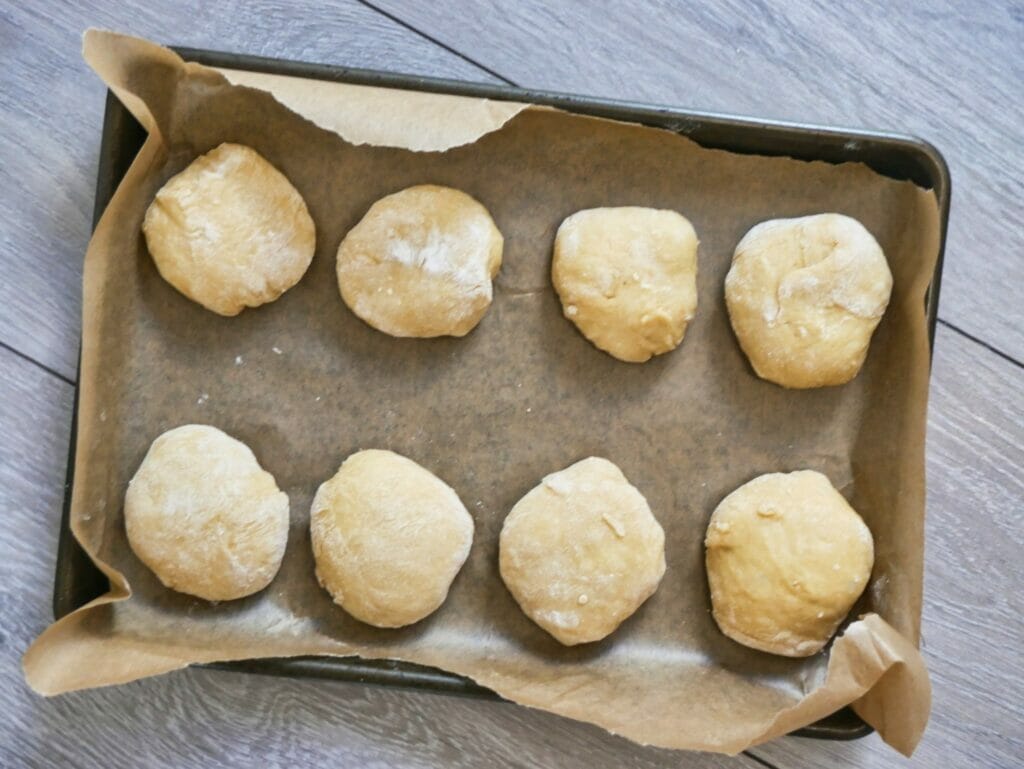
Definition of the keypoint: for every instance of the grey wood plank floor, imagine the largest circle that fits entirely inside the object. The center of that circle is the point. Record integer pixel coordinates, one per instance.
(954, 76)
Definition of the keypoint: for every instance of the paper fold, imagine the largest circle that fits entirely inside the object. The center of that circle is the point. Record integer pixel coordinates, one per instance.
(384, 117)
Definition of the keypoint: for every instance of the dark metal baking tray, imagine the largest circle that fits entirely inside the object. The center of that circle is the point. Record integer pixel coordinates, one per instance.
(898, 156)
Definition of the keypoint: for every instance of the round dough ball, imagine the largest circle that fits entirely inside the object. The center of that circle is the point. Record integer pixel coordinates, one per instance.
(388, 538)
(420, 263)
(204, 516)
(787, 558)
(627, 278)
(805, 295)
(230, 231)
(582, 551)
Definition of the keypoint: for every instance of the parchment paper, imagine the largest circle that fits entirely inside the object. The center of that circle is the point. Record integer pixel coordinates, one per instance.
(305, 383)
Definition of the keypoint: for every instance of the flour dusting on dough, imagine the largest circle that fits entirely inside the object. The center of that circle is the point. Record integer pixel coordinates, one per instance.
(447, 254)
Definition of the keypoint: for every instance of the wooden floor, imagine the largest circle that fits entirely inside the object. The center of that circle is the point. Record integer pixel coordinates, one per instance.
(952, 73)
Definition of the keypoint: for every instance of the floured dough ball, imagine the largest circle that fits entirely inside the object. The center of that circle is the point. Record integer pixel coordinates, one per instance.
(582, 551)
(805, 295)
(204, 516)
(420, 263)
(230, 231)
(388, 538)
(787, 558)
(627, 278)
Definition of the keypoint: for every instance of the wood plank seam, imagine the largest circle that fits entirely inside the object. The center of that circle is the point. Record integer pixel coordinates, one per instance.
(757, 759)
(990, 347)
(29, 359)
(429, 38)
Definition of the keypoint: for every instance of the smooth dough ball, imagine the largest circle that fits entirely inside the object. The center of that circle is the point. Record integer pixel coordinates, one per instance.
(388, 538)
(230, 231)
(787, 557)
(627, 278)
(805, 295)
(420, 263)
(582, 551)
(204, 516)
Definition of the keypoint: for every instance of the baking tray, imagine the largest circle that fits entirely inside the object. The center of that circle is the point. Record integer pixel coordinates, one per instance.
(898, 156)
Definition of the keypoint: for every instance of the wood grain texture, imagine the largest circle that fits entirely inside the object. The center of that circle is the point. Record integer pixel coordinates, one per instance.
(51, 111)
(210, 718)
(950, 72)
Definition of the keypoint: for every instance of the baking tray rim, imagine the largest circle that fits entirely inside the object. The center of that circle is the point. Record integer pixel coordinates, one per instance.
(926, 166)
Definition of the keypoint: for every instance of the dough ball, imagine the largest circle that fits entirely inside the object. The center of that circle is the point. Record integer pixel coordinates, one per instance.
(204, 516)
(805, 295)
(787, 558)
(388, 538)
(420, 263)
(582, 551)
(230, 231)
(627, 278)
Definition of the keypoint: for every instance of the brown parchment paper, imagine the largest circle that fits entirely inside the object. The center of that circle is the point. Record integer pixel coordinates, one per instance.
(305, 383)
